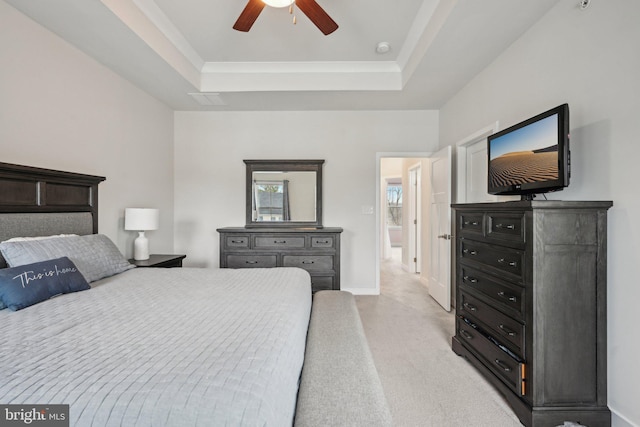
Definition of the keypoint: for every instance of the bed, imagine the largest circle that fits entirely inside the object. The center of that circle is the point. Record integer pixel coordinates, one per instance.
(183, 347)
(126, 346)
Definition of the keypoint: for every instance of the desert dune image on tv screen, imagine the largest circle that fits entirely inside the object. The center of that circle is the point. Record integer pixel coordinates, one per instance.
(529, 154)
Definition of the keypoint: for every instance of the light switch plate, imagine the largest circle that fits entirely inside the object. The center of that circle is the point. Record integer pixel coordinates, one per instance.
(367, 210)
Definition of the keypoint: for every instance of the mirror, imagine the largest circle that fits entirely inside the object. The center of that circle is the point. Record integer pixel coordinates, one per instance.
(284, 193)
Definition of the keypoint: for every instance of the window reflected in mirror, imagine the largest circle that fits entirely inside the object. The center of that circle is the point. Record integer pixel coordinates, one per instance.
(284, 196)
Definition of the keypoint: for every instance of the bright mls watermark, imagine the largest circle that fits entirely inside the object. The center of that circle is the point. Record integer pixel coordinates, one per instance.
(34, 415)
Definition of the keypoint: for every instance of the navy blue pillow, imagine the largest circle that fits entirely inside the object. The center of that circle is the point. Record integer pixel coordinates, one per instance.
(30, 284)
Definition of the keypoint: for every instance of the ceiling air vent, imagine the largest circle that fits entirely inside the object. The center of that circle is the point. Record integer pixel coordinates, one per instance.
(204, 98)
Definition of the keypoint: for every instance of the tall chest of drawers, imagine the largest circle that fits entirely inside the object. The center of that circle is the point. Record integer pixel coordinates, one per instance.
(531, 305)
(316, 250)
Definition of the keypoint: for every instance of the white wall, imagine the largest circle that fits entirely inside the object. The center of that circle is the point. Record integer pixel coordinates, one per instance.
(591, 60)
(210, 173)
(59, 109)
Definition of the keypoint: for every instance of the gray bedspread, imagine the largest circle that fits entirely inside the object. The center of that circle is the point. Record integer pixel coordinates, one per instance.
(164, 347)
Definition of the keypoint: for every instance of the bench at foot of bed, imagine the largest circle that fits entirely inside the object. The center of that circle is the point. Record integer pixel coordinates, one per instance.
(339, 385)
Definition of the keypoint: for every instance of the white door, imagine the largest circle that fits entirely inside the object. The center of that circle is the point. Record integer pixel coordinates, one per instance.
(440, 236)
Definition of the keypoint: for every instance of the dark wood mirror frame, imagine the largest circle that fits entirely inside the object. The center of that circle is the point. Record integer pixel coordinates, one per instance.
(284, 166)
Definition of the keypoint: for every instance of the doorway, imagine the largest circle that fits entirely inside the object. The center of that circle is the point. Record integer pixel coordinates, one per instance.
(401, 216)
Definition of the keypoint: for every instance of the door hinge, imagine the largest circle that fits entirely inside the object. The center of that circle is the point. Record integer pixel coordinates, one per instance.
(415, 259)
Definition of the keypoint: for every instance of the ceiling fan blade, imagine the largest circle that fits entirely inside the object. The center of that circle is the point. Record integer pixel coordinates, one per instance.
(317, 15)
(249, 15)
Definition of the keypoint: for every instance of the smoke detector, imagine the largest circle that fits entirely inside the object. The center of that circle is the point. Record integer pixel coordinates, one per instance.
(383, 47)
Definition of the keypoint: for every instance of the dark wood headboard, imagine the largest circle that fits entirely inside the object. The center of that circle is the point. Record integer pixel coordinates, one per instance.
(26, 189)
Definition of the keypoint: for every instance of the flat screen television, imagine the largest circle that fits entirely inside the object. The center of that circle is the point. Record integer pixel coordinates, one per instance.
(532, 156)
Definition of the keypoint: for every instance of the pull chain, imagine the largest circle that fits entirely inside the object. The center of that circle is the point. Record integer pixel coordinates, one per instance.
(291, 13)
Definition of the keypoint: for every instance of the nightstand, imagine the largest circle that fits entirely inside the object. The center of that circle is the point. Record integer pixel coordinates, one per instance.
(163, 261)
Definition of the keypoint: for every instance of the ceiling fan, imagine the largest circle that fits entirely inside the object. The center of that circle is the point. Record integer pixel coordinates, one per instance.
(314, 12)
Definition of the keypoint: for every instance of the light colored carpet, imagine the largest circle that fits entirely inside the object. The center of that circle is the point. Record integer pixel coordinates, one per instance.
(425, 382)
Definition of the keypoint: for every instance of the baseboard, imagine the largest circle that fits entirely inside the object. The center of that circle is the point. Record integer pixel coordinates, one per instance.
(619, 420)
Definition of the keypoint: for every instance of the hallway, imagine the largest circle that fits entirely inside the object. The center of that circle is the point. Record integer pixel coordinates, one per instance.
(425, 383)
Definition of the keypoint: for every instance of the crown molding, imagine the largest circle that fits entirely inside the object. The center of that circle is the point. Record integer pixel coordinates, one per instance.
(147, 20)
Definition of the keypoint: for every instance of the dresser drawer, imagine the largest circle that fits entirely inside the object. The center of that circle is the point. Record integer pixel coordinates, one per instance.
(279, 242)
(502, 327)
(505, 226)
(506, 296)
(236, 241)
(508, 369)
(470, 222)
(251, 261)
(309, 262)
(322, 283)
(505, 260)
(322, 242)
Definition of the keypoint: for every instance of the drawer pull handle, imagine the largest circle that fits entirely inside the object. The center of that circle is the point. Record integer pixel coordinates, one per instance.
(509, 263)
(470, 307)
(469, 252)
(308, 262)
(471, 223)
(470, 279)
(279, 242)
(251, 262)
(511, 298)
(507, 226)
(323, 242)
(237, 241)
(466, 334)
(503, 365)
(507, 330)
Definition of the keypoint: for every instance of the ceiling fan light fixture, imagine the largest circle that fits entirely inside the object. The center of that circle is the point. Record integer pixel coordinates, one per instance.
(310, 8)
(278, 3)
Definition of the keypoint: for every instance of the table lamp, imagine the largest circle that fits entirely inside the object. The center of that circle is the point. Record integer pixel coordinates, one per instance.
(141, 220)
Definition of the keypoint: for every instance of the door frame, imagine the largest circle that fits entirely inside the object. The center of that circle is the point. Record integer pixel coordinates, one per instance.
(415, 214)
(461, 159)
(378, 225)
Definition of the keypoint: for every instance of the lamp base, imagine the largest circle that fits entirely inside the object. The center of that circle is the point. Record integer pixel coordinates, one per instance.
(141, 247)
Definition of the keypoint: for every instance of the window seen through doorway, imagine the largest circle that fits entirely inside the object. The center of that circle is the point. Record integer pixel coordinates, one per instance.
(394, 204)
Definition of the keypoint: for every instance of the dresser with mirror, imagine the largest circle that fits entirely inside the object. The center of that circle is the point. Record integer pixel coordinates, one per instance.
(284, 223)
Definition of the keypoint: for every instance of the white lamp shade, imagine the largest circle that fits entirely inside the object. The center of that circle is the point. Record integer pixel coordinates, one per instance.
(141, 219)
(278, 3)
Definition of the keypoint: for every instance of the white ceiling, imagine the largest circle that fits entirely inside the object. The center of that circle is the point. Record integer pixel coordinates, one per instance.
(175, 48)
